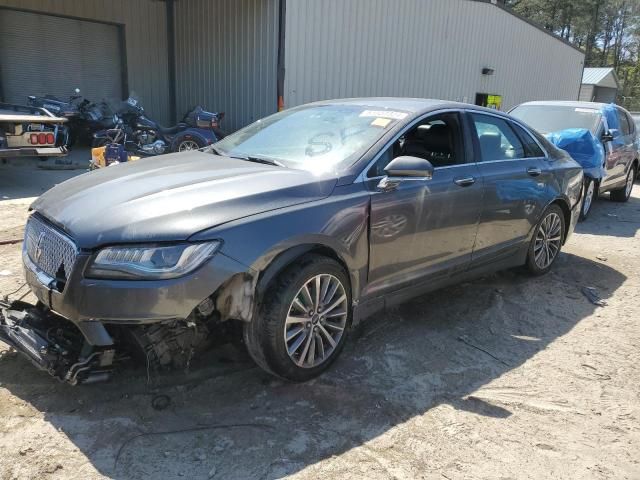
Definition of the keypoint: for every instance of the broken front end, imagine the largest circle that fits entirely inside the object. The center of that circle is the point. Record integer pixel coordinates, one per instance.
(81, 328)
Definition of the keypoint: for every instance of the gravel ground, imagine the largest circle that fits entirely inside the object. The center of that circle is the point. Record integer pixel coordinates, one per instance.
(505, 377)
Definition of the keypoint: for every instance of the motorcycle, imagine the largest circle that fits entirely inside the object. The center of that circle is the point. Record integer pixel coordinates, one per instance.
(143, 136)
(84, 117)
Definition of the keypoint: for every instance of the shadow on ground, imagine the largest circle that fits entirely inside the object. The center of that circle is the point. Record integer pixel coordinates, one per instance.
(232, 418)
(613, 218)
(31, 177)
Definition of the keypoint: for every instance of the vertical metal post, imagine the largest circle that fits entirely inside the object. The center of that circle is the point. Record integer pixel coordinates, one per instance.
(281, 59)
(171, 58)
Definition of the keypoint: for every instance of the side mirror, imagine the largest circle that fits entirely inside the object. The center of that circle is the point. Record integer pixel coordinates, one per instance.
(608, 136)
(411, 167)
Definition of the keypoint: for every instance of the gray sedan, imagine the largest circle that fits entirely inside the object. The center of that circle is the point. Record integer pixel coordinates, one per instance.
(288, 232)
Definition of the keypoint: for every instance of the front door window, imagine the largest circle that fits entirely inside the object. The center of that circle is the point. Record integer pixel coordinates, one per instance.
(425, 227)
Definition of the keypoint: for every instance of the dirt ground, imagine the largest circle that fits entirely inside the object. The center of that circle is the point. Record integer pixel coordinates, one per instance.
(505, 377)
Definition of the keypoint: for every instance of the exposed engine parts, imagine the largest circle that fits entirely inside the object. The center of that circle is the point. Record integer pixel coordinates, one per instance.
(54, 344)
(57, 346)
(169, 345)
(148, 142)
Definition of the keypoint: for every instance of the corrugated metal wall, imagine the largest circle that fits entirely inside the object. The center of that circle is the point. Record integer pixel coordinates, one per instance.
(422, 48)
(146, 41)
(586, 93)
(226, 56)
(72, 64)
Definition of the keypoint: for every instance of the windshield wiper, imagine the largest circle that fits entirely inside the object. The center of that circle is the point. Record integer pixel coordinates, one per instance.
(266, 161)
(248, 158)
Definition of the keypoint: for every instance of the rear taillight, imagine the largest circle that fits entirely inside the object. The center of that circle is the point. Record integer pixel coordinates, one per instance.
(42, 138)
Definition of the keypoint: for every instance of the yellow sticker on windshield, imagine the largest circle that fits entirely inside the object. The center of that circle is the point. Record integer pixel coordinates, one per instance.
(381, 122)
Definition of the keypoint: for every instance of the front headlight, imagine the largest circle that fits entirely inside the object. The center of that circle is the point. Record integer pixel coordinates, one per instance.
(150, 262)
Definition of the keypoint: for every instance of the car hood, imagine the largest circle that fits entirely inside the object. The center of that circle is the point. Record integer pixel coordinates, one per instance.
(171, 197)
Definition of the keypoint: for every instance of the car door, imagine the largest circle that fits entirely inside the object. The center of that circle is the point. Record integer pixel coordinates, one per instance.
(620, 149)
(629, 140)
(424, 228)
(514, 174)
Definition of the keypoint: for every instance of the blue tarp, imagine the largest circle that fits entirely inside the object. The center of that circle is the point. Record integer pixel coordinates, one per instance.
(583, 147)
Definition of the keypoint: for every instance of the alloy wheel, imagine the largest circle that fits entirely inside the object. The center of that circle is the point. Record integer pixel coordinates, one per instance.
(316, 320)
(188, 145)
(548, 240)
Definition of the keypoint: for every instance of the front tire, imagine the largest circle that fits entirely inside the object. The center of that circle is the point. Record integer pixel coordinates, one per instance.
(302, 325)
(623, 194)
(547, 241)
(590, 189)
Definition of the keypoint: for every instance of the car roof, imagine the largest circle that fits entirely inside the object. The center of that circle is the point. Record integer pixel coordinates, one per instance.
(416, 106)
(572, 104)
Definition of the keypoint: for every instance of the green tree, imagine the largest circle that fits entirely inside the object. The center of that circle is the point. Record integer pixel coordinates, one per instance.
(607, 30)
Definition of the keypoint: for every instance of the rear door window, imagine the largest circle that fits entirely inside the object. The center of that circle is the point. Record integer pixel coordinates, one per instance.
(496, 139)
(625, 128)
(632, 123)
(531, 148)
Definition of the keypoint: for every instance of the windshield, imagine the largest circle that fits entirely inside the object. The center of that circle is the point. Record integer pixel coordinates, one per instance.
(552, 118)
(318, 138)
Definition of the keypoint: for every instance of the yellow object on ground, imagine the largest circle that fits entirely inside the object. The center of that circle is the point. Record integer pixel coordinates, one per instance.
(97, 157)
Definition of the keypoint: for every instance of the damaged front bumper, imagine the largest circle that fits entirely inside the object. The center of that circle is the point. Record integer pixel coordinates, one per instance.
(80, 330)
(53, 344)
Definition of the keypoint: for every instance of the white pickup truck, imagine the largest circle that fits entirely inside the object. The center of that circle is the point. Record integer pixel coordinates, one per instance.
(31, 131)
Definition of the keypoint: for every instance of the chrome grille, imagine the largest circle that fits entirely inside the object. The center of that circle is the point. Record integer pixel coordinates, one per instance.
(48, 248)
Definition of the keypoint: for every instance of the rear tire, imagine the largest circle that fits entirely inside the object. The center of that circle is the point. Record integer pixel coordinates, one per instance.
(188, 144)
(623, 194)
(289, 337)
(547, 240)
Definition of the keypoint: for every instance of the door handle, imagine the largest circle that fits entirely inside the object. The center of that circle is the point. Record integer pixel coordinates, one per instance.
(464, 182)
(534, 171)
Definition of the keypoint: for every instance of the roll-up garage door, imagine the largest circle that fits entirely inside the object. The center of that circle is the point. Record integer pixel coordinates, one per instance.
(44, 54)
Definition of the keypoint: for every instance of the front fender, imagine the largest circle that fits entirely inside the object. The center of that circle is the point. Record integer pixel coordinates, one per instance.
(338, 225)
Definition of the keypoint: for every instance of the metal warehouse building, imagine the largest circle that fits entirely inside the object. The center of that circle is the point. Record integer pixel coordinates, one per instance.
(245, 56)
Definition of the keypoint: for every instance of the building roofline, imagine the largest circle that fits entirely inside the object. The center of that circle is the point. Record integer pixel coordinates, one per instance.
(530, 22)
(609, 71)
